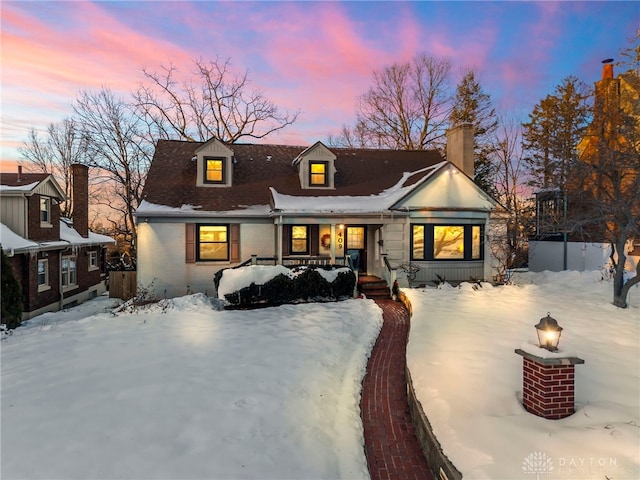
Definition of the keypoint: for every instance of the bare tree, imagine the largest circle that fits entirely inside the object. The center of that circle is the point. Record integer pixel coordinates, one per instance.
(510, 172)
(120, 153)
(406, 108)
(214, 103)
(62, 146)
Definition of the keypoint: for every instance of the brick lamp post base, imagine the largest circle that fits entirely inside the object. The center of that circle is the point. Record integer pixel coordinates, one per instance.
(548, 385)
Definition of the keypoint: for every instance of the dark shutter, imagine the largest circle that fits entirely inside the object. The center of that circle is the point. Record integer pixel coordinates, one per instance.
(314, 240)
(286, 240)
(190, 242)
(234, 242)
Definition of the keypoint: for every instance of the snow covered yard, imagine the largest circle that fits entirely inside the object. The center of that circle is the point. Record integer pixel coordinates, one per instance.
(187, 392)
(469, 380)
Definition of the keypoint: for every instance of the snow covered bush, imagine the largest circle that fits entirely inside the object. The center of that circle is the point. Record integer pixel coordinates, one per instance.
(260, 285)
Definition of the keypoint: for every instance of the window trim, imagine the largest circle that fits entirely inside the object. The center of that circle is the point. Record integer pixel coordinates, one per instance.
(46, 211)
(197, 242)
(92, 254)
(46, 285)
(223, 162)
(428, 242)
(325, 163)
(69, 285)
(307, 242)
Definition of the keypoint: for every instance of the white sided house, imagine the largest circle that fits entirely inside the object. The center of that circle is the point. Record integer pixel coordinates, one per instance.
(210, 206)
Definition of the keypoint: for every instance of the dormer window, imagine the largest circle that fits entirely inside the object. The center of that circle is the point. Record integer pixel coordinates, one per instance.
(316, 167)
(318, 174)
(214, 169)
(215, 164)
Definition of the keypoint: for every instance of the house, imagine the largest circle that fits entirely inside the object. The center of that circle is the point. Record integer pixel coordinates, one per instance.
(57, 261)
(209, 206)
(555, 247)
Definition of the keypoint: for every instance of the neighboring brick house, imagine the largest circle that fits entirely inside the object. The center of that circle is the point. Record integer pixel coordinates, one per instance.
(58, 261)
(209, 206)
(553, 249)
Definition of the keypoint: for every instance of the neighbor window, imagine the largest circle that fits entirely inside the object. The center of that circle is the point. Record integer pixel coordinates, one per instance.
(212, 242)
(43, 274)
(93, 260)
(299, 239)
(446, 242)
(318, 173)
(45, 210)
(214, 171)
(68, 271)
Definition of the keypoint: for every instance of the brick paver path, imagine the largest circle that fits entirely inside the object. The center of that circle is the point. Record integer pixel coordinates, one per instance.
(390, 441)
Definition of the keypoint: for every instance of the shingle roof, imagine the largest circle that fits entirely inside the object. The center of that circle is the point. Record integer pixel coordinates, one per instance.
(17, 180)
(172, 177)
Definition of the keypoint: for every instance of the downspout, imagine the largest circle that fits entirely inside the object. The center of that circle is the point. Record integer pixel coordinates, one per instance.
(279, 246)
(60, 278)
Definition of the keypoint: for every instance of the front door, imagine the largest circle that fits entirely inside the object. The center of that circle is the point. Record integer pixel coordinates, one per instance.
(355, 248)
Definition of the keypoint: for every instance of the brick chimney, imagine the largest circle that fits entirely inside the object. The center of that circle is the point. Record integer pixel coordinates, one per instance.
(460, 147)
(607, 68)
(80, 215)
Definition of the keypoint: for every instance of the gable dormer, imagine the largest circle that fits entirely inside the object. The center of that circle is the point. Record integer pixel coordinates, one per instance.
(215, 164)
(316, 167)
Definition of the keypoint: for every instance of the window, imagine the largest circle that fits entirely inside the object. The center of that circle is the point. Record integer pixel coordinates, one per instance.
(318, 174)
(43, 275)
(212, 242)
(68, 270)
(299, 239)
(214, 171)
(93, 260)
(45, 210)
(446, 242)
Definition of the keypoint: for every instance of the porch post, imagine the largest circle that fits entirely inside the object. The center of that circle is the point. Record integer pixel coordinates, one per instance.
(279, 241)
(332, 249)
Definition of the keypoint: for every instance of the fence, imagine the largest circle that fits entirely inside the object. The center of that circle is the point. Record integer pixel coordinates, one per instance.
(122, 284)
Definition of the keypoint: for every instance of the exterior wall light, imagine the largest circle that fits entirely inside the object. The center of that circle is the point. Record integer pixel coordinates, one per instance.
(549, 333)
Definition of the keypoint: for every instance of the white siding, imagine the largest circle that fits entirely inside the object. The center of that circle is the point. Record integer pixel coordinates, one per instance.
(161, 257)
(13, 214)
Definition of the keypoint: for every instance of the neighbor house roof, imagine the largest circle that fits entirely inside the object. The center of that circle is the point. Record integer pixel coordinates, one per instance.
(259, 170)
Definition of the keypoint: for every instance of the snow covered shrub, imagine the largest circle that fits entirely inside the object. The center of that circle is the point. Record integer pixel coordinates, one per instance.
(309, 284)
(261, 285)
(279, 290)
(344, 284)
(11, 314)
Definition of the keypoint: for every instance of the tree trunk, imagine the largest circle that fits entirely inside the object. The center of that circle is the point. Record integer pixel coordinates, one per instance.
(620, 288)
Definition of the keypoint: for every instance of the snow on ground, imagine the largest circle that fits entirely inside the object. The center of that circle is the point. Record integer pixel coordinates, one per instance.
(185, 391)
(469, 380)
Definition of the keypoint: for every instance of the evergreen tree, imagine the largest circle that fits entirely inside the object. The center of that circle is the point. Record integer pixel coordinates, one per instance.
(11, 310)
(472, 105)
(555, 127)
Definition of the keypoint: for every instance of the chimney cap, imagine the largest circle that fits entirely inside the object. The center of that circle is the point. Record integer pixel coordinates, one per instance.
(607, 60)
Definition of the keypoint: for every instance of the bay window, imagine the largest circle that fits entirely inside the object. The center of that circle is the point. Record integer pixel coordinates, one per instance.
(446, 242)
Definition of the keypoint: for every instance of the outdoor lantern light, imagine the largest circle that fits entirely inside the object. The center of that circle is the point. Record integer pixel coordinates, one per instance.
(548, 332)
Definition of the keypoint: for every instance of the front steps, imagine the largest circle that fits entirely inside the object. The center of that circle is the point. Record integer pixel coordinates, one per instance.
(373, 287)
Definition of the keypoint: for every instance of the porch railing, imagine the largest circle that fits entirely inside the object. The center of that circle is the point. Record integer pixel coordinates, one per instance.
(292, 261)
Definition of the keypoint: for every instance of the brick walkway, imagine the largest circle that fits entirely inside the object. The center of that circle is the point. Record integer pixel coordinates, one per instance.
(390, 441)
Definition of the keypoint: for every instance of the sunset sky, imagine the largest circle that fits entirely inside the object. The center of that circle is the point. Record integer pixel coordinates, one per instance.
(317, 57)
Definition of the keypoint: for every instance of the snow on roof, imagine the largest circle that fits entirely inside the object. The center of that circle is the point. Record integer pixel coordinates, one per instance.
(9, 240)
(347, 204)
(153, 209)
(19, 188)
(12, 241)
(70, 235)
